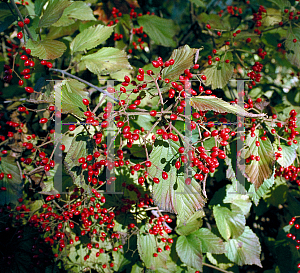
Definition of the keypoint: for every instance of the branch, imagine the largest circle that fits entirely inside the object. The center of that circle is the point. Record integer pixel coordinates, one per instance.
(22, 19)
(217, 268)
(87, 83)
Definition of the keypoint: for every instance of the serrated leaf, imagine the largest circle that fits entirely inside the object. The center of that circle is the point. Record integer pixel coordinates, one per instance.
(106, 60)
(210, 103)
(273, 17)
(255, 195)
(191, 225)
(230, 224)
(209, 241)
(245, 249)
(57, 32)
(160, 30)
(183, 59)
(188, 249)
(77, 10)
(185, 199)
(147, 245)
(258, 171)
(218, 75)
(288, 155)
(240, 200)
(90, 38)
(220, 261)
(72, 93)
(53, 12)
(46, 49)
(14, 186)
(214, 20)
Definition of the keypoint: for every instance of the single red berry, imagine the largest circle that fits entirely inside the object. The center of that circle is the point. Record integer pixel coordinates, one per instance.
(26, 21)
(85, 102)
(20, 24)
(153, 113)
(248, 40)
(208, 26)
(203, 77)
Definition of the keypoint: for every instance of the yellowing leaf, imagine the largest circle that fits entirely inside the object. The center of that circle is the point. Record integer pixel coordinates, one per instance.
(258, 171)
(46, 49)
(91, 37)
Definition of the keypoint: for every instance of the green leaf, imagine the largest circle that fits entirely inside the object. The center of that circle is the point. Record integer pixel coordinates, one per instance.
(38, 6)
(147, 245)
(77, 10)
(14, 186)
(277, 195)
(79, 148)
(106, 60)
(191, 225)
(220, 261)
(198, 3)
(294, 48)
(185, 199)
(282, 4)
(57, 32)
(245, 249)
(215, 21)
(218, 75)
(71, 97)
(183, 59)
(288, 155)
(6, 17)
(90, 38)
(137, 269)
(273, 17)
(209, 241)
(258, 171)
(188, 249)
(46, 49)
(160, 30)
(230, 224)
(53, 12)
(242, 201)
(209, 103)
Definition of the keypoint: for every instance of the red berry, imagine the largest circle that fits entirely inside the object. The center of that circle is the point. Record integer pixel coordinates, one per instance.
(85, 102)
(248, 40)
(203, 77)
(153, 113)
(20, 24)
(208, 26)
(26, 21)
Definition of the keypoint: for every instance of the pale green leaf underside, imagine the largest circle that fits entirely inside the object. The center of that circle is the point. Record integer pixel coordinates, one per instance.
(258, 171)
(46, 49)
(183, 59)
(185, 199)
(146, 245)
(230, 224)
(191, 225)
(53, 12)
(245, 249)
(210, 103)
(288, 155)
(160, 30)
(209, 241)
(90, 38)
(106, 60)
(188, 249)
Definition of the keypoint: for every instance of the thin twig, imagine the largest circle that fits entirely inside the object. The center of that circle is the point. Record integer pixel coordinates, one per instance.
(22, 19)
(87, 83)
(217, 268)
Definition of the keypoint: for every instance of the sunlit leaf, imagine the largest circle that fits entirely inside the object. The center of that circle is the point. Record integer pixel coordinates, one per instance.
(191, 225)
(90, 38)
(209, 103)
(185, 199)
(106, 60)
(189, 251)
(230, 224)
(209, 241)
(245, 249)
(183, 59)
(288, 155)
(258, 171)
(46, 49)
